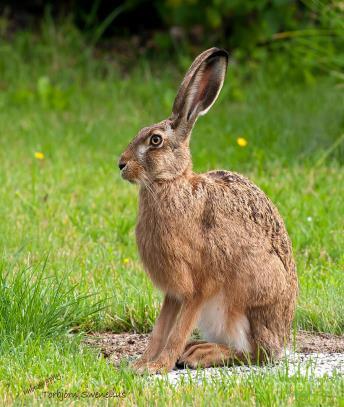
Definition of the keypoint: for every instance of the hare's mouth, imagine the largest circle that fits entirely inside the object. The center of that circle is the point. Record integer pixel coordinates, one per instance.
(126, 177)
(131, 173)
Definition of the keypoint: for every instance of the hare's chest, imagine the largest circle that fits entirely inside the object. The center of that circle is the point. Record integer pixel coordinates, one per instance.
(158, 241)
(165, 251)
(152, 239)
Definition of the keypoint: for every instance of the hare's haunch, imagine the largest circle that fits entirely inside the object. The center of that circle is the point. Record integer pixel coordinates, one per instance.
(213, 243)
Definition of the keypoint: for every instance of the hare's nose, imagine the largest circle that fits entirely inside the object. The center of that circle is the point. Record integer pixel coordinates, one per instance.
(121, 165)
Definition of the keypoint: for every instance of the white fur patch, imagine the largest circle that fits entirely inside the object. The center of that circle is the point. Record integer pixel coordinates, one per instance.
(169, 132)
(140, 151)
(238, 334)
(212, 321)
(213, 324)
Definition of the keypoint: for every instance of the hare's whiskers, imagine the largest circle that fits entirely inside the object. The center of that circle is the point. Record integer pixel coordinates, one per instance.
(147, 183)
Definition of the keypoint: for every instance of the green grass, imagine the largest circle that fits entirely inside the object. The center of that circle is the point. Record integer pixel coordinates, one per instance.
(67, 222)
(74, 369)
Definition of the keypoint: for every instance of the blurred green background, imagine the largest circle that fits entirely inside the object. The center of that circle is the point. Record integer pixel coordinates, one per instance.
(310, 32)
(79, 79)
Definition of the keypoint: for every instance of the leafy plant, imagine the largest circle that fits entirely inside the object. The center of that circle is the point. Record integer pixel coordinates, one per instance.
(318, 47)
(34, 305)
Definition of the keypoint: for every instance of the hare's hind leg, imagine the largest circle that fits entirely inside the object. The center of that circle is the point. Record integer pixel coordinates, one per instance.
(229, 345)
(208, 354)
(192, 343)
(270, 328)
(271, 305)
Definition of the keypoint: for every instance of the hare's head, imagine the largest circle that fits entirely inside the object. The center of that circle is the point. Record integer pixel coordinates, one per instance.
(161, 151)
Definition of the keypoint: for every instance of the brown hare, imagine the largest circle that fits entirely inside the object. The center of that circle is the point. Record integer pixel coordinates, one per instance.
(213, 243)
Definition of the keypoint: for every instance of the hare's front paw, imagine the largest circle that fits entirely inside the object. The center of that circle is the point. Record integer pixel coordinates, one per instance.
(157, 366)
(138, 363)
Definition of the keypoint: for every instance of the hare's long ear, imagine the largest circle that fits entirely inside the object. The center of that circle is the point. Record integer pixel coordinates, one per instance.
(200, 87)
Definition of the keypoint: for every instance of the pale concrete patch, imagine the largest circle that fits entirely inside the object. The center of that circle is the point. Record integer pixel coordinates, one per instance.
(310, 365)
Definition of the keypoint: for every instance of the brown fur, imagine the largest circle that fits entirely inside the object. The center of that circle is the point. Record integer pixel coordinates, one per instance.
(208, 236)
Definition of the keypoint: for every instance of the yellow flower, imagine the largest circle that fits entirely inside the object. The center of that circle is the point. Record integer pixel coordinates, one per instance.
(39, 155)
(242, 142)
(126, 260)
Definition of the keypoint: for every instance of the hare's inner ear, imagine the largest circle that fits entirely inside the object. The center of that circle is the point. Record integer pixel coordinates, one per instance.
(201, 86)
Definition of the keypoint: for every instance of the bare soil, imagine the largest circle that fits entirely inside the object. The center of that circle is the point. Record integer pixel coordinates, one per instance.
(118, 346)
(131, 345)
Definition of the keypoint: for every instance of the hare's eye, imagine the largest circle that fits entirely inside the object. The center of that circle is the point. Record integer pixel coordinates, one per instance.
(156, 140)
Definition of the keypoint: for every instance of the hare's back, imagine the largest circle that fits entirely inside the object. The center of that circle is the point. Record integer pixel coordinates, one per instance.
(254, 208)
(246, 198)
